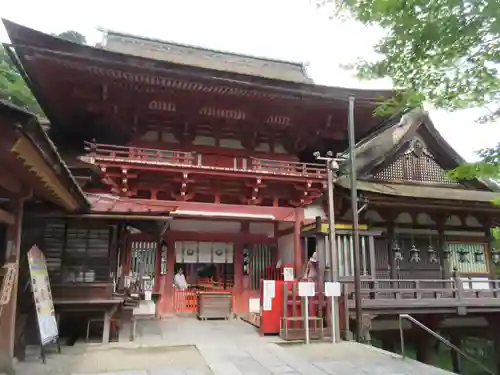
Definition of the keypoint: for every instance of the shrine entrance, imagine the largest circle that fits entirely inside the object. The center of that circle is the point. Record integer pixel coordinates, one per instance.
(207, 267)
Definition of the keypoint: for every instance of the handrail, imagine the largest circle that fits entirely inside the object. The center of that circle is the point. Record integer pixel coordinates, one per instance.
(437, 336)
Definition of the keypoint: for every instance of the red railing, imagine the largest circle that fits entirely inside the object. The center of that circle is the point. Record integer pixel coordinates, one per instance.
(288, 167)
(186, 300)
(115, 153)
(103, 153)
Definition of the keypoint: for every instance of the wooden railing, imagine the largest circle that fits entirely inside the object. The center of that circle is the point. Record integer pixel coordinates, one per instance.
(288, 167)
(115, 153)
(396, 292)
(103, 153)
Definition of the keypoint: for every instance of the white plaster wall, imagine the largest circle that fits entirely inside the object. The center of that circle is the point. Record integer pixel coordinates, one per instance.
(262, 228)
(205, 226)
(313, 210)
(285, 249)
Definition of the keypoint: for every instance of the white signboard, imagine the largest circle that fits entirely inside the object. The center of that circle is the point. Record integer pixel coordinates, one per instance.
(254, 305)
(42, 294)
(332, 289)
(269, 288)
(288, 274)
(267, 304)
(306, 289)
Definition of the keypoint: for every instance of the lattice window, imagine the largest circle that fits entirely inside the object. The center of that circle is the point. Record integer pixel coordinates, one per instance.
(468, 257)
(417, 164)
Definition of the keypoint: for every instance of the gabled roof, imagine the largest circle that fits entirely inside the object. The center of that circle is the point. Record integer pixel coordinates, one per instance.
(204, 57)
(28, 124)
(380, 147)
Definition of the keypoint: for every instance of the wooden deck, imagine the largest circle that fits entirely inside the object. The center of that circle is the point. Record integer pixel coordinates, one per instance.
(425, 296)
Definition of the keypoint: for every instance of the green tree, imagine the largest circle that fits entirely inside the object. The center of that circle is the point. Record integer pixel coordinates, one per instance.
(446, 52)
(72, 36)
(13, 88)
(12, 85)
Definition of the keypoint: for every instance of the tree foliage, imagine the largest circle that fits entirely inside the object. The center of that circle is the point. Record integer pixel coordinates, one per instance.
(13, 88)
(72, 36)
(446, 52)
(12, 85)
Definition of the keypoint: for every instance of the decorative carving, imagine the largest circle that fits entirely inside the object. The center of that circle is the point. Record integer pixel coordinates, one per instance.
(417, 164)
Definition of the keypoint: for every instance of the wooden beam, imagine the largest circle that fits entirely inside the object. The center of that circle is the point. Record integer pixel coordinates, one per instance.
(9, 182)
(6, 217)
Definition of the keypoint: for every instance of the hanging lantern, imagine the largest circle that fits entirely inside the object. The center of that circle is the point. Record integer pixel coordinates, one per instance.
(495, 256)
(396, 250)
(462, 255)
(414, 254)
(432, 255)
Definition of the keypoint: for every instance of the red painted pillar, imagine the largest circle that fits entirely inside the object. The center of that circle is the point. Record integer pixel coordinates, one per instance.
(238, 290)
(297, 246)
(166, 307)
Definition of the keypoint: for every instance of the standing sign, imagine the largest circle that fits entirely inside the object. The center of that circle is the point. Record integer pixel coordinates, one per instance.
(40, 286)
(306, 290)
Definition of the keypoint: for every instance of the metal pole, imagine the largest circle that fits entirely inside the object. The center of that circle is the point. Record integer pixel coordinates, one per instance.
(334, 267)
(306, 318)
(355, 220)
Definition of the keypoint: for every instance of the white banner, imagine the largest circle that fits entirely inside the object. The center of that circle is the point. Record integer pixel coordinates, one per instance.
(190, 253)
(205, 252)
(219, 250)
(42, 294)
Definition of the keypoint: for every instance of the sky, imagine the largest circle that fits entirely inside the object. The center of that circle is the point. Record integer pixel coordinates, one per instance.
(292, 30)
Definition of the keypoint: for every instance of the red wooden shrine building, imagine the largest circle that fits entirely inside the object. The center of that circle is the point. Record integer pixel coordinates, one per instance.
(222, 141)
(203, 160)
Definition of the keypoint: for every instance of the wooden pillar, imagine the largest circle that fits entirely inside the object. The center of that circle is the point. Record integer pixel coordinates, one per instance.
(425, 344)
(391, 237)
(238, 290)
(166, 302)
(487, 255)
(456, 340)
(389, 343)
(297, 251)
(443, 259)
(8, 318)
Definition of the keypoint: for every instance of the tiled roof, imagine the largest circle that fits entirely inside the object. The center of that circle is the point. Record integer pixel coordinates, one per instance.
(106, 203)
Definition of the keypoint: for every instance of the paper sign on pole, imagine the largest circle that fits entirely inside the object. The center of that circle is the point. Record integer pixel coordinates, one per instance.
(288, 274)
(269, 289)
(254, 305)
(332, 289)
(42, 294)
(267, 304)
(306, 289)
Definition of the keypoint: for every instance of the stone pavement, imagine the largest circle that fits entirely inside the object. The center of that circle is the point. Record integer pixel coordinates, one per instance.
(190, 347)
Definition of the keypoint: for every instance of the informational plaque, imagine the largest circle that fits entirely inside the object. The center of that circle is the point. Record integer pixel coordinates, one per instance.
(306, 289)
(332, 289)
(288, 274)
(40, 286)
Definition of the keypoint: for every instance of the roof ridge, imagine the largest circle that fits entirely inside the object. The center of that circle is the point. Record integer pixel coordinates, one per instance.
(105, 31)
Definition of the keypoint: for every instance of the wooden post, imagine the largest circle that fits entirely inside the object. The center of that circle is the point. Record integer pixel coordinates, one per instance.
(444, 261)
(166, 301)
(238, 290)
(456, 340)
(8, 320)
(487, 254)
(299, 215)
